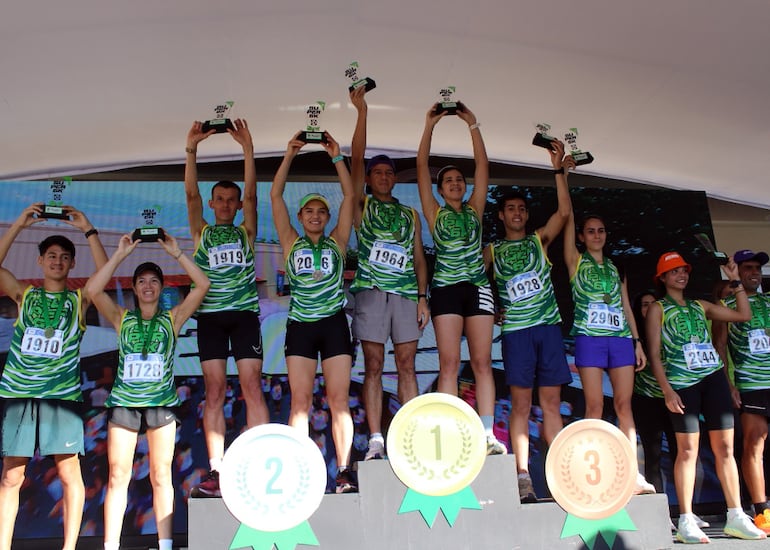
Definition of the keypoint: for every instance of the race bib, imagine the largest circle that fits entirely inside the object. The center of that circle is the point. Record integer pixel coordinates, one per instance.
(149, 369)
(390, 256)
(700, 356)
(304, 263)
(523, 286)
(759, 341)
(36, 344)
(603, 317)
(226, 255)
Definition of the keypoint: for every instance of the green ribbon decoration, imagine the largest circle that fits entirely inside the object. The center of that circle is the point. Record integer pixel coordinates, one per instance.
(449, 505)
(589, 529)
(246, 537)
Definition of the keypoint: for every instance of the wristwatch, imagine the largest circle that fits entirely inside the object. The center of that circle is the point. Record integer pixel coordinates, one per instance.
(735, 284)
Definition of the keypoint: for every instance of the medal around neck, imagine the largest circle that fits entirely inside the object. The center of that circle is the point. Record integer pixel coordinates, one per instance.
(53, 209)
(356, 81)
(448, 104)
(221, 121)
(149, 232)
(313, 132)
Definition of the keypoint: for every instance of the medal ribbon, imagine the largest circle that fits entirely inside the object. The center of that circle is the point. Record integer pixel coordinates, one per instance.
(47, 324)
(146, 334)
(689, 318)
(317, 248)
(605, 274)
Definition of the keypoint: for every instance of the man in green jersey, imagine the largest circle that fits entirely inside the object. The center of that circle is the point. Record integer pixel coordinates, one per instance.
(391, 281)
(749, 346)
(228, 318)
(41, 381)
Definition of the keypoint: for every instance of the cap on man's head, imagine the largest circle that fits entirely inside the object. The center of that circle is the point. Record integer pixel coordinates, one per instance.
(380, 159)
(749, 255)
(669, 261)
(147, 267)
(313, 197)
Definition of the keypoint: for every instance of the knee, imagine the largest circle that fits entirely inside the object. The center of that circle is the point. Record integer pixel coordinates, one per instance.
(215, 395)
(482, 366)
(338, 402)
(686, 453)
(12, 478)
(119, 476)
(160, 476)
(373, 366)
(521, 408)
(301, 402)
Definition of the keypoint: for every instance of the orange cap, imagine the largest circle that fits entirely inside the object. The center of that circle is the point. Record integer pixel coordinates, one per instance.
(669, 261)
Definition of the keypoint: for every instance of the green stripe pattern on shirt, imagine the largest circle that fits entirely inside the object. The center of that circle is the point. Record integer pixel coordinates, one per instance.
(593, 316)
(748, 344)
(457, 239)
(316, 286)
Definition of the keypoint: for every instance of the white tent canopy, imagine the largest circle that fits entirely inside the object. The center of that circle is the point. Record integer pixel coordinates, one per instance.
(671, 93)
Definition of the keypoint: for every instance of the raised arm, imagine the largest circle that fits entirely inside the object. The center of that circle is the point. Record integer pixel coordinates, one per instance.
(9, 284)
(719, 312)
(341, 233)
(96, 284)
(358, 152)
(653, 322)
(192, 193)
(242, 135)
(561, 163)
(571, 253)
(286, 232)
(189, 305)
(478, 198)
(424, 183)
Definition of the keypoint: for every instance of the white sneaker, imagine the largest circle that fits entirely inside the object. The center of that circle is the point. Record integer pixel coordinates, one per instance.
(376, 450)
(700, 522)
(495, 447)
(688, 532)
(741, 526)
(643, 487)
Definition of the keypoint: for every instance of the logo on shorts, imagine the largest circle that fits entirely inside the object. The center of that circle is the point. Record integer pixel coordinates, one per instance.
(169, 416)
(69, 444)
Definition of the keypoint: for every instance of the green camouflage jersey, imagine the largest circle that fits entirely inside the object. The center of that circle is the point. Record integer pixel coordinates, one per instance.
(686, 350)
(315, 279)
(596, 291)
(646, 384)
(749, 345)
(457, 239)
(522, 273)
(386, 249)
(227, 257)
(145, 379)
(45, 364)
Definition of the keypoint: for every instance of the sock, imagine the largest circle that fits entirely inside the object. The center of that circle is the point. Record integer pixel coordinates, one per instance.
(111, 545)
(215, 464)
(760, 507)
(342, 468)
(733, 513)
(685, 516)
(165, 544)
(488, 420)
(523, 475)
(378, 436)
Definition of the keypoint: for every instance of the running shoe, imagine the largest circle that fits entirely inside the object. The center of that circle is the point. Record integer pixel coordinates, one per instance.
(700, 522)
(208, 488)
(643, 487)
(376, 450)
(526, 490)
(346, 482)
(763, 520)
(741, 526)
(495, 447)
(688, 532)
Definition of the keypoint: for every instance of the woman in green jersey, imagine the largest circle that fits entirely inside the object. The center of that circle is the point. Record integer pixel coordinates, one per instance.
(317, 324)
(693, 381)
(461, 299)
(143, 392)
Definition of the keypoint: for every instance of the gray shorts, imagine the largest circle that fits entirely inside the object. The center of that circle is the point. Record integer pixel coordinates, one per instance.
(55, 427)
(380, 315)
(135, 419)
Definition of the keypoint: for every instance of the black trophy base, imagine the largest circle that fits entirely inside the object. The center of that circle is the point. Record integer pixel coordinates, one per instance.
(368, 82)
(720, 257)
(542, 141)
(221, 125)
(54, 213)
(312, 137)
(449, 107)
(583, 157)
(148, 234)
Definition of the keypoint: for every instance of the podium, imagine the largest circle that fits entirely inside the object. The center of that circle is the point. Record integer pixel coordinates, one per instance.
(370, 519)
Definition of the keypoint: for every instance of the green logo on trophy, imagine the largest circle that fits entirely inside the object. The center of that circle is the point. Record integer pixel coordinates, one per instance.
(313, 132)
(542, 139)
(447, 104)
(54, 209)
(221, 122)
(149, 232)
(355, 81)
(581, 157)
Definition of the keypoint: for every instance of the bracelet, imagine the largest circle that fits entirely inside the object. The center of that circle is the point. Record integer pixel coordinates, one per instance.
(559, 171)
(90, 232)
(475, 125)
(737, 290)
(336, 159)
(422, 296)
(190, 150)
(179, 255)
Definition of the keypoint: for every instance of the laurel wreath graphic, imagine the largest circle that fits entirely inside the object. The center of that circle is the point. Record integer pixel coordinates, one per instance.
(578, 494)
(411, 457)
(465, 451)
(302, 488)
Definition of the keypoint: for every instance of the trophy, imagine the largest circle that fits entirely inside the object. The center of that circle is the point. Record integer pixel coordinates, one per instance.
(352, 73)
(542, 139)
(220, 122)
(704, 240)
(313, 132)
(149, 232)
(581, 157)
(54, 209)
(447, 104)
